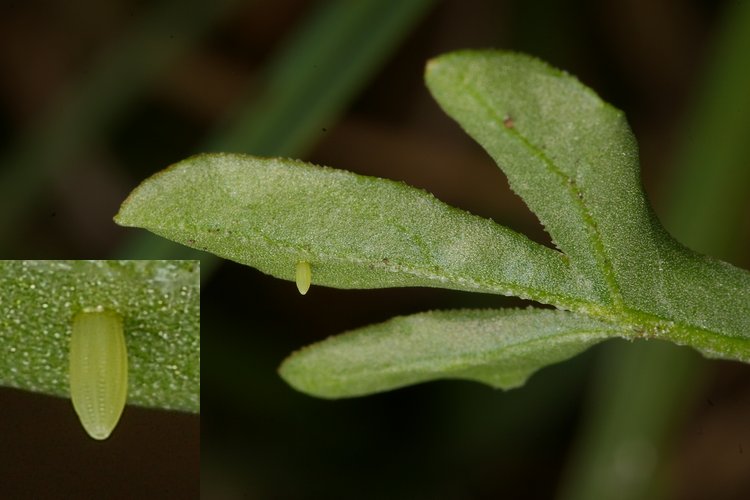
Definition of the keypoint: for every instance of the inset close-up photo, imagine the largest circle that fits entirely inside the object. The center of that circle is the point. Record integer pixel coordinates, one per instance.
(120, 341)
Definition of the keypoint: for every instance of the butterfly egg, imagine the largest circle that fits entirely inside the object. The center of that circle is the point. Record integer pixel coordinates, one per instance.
(98, 370)
(303, 275)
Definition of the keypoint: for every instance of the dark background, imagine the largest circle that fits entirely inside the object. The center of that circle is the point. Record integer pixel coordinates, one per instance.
(96, 96)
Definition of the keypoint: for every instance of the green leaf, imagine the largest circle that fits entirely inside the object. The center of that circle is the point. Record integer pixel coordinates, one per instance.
(324, 63)
(571, 157)
(355, 231)
(501, 348)
(158, 300)
(574, 160)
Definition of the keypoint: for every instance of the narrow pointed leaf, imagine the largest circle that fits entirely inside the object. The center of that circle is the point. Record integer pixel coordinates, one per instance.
(501, 348)
(354, 231)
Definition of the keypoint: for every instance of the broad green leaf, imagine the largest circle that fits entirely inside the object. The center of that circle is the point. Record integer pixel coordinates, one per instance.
(158, 300)
(573, 159)
(355, 231)
(501, 348)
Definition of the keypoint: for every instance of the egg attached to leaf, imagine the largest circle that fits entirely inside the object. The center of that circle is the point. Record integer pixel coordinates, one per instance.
(98, 370)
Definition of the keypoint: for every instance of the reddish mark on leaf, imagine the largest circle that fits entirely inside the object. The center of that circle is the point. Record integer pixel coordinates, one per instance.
(508, 121)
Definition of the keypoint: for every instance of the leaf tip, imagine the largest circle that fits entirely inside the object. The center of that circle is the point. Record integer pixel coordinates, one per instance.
(431, 65)
(119, 220)
(298, 375)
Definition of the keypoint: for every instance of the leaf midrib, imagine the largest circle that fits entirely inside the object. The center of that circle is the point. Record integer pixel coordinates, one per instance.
(491, 286)
(616, 310)
(473, 361)
(575, 194)
(651, 326)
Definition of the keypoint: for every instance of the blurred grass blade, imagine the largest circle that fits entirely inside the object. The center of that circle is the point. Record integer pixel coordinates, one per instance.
(317, 72)
(708, 201)
(88, 108)
(501, 348)
(323, 66)
(638, 396)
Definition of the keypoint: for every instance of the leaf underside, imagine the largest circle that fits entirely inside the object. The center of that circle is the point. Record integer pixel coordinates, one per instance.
(159, 302)
(356, 231)
(501, 348)
(568, 154)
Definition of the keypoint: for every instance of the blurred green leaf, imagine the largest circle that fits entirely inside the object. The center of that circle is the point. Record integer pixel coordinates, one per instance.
(158, 300)
(328, 59)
